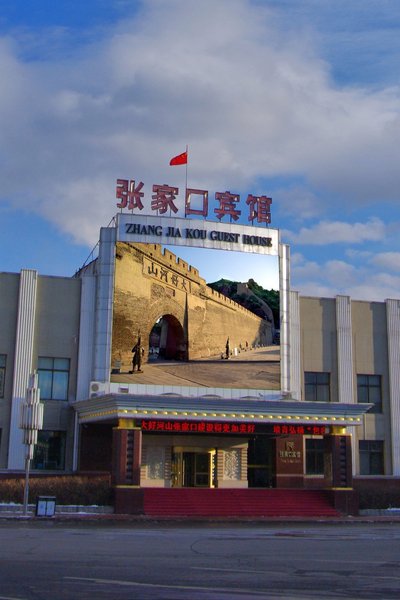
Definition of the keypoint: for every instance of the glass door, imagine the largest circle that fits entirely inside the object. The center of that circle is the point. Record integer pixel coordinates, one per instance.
(202, 469)
(192, 469)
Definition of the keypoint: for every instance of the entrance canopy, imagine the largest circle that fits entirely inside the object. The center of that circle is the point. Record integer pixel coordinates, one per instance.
(111, 407)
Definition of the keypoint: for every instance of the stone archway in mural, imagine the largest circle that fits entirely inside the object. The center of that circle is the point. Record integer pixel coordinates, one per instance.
(167, 340)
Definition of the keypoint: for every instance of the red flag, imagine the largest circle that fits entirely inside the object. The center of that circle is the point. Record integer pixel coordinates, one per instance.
(181, 159)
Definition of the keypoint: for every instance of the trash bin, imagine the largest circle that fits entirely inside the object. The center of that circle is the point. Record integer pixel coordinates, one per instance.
(45, 506)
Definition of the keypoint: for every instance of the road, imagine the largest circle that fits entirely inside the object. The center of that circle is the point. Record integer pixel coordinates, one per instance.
(50, 560)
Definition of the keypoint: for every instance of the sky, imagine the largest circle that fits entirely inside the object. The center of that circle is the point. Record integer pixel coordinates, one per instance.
(298, 100)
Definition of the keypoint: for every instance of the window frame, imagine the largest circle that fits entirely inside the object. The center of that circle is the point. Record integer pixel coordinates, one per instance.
(367, 389)
(52, 434)
(371, 453)
(318, 388)
(3, 374)
(45, 382)
(315, 454)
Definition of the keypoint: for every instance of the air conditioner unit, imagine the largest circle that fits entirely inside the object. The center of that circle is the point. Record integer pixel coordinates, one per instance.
(98, 388)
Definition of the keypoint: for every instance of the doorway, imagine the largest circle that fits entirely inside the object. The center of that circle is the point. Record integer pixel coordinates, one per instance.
(193, 468)
(261, 471)
(167, 339)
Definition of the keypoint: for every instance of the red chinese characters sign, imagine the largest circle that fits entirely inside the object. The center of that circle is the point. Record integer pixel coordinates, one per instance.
(196, 427)
(299, 429)
(164, 198)
(175, 426)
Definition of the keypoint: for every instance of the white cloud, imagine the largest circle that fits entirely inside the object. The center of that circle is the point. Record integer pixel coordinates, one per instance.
(336, 232)
(387, 260)
(250, 99)
(334, 277)
(297, 201)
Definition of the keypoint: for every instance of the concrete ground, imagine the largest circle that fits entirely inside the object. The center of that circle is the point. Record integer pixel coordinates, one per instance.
(251, 369)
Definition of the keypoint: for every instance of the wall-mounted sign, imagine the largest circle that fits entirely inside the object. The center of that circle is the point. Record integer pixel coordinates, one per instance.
(202, 234)
(204, 426)
(164, 199)
(299, 429)
(196, 427)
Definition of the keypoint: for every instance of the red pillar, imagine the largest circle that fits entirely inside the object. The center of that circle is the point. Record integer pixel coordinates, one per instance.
(339, 471)
(127, 450)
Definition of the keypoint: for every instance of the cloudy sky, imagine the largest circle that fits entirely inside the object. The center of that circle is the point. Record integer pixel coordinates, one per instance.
(295, 99)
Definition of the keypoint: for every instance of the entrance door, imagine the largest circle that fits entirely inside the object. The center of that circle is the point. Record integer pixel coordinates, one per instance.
(261, 461)
(192, 469)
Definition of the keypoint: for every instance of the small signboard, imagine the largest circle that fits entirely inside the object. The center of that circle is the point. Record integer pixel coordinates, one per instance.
(45, 506)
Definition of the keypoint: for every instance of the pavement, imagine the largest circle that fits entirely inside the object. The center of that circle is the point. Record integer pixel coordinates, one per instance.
(105, 515)
(257, 368)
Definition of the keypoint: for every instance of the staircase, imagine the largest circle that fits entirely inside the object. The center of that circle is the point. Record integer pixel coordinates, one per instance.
(200, 502)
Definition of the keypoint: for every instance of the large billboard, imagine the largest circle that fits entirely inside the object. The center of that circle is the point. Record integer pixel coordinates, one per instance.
(196, 304)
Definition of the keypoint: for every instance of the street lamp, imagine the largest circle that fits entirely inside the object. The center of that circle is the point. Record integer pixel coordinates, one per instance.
(31, 420)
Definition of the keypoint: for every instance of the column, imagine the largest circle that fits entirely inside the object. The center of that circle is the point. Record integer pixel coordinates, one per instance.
(393, 336)
(104, 304)
(344, 349)
(127, 451)
(295, 346)
(344, 335)
(22, 363)
(339, 473)
(284, 287)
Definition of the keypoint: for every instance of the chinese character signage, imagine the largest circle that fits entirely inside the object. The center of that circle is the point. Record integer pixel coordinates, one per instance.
(164, 199)
(204, 426)
(196, 427)
(299, 429)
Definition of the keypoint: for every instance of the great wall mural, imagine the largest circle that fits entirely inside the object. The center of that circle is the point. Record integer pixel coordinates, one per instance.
(181, 321)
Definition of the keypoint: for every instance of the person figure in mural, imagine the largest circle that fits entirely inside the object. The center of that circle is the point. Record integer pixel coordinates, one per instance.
(227, 348)
(137, 356)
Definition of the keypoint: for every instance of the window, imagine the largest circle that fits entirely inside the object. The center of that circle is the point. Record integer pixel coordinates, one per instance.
(315, 456)
(53, 378)
(2, 374)
(369, 390)
(371, 457)
(49, 451)
(317, 387)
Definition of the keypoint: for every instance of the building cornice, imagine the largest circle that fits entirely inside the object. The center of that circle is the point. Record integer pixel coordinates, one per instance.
(110, 407)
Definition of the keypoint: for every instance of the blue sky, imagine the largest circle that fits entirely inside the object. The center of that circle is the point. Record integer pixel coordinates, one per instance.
(295, 99)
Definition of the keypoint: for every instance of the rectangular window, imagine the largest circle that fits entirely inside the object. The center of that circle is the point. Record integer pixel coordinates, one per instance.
(369, 390)
(315, 448)
(2, 374)
(317, 387)
(53, 378)
(50, 451)
(371, 457)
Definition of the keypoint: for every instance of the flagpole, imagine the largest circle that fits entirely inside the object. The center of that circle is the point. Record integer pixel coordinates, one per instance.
(187, 160)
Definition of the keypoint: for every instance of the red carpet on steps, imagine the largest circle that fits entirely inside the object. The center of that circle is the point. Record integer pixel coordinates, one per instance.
(184, 502)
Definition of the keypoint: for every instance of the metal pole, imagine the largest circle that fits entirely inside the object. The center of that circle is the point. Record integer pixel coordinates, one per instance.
(26, 486)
